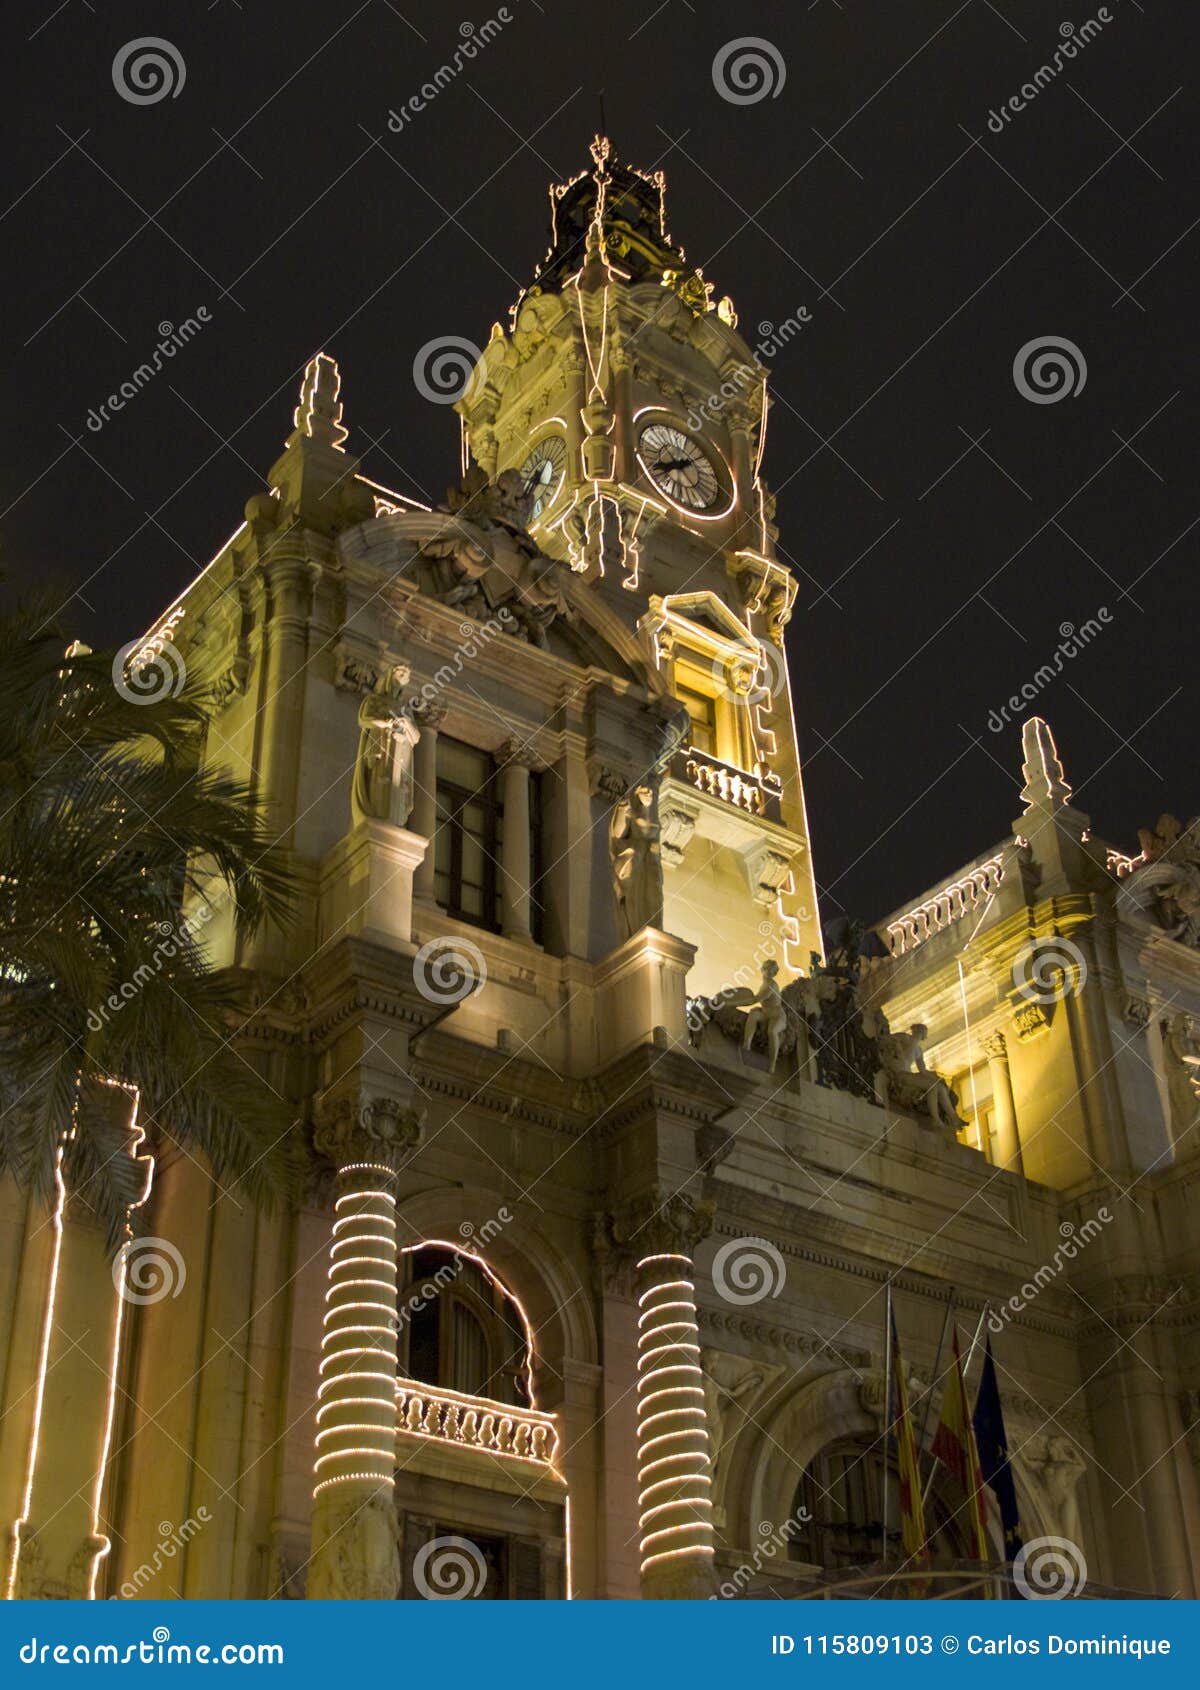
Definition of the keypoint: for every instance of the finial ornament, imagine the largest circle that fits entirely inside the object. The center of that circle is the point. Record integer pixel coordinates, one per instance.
(319, 413)
(1045, 784)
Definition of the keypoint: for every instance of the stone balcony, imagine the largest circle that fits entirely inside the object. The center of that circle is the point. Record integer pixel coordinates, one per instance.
(746, 792)
(452, 1421)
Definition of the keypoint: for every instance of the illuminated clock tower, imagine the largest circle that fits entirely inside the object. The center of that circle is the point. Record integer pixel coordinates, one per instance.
(635, 414)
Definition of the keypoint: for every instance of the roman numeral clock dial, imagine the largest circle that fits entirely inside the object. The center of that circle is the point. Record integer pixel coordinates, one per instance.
(678, 467)
(542, 473)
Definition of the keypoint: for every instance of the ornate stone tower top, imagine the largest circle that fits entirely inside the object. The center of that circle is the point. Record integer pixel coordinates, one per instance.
(319, 413)
(628, 207)
(1045, 783)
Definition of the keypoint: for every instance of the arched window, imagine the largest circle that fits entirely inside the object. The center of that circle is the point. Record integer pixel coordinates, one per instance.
(837, 1511)
(459, 1329)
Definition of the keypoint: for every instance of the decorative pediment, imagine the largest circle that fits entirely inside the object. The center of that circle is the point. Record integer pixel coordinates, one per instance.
(703, 616)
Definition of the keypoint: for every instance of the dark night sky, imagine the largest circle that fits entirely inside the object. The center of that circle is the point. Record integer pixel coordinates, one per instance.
(935, 574)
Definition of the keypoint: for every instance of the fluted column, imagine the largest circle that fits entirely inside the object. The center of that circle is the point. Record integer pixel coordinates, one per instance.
(355, 1553)
(1008, 1142)
(429, 718)
(516, 845)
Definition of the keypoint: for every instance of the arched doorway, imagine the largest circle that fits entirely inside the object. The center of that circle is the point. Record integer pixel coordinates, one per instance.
(846, 1510)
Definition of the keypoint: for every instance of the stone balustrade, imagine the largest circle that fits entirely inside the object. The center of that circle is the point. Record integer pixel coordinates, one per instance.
(722, 780)
(969, 892)
(499, 1428)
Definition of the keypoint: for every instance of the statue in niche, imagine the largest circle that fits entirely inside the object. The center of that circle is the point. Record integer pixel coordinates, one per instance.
(383, 787)
(1181, 1058)
(910, 1084)
(768, 1013)
(1165, 886)
(484, 563)
(635, 849)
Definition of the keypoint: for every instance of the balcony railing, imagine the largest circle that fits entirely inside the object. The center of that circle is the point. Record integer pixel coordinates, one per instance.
(722, 780)
(450, 1417)
(949, 905)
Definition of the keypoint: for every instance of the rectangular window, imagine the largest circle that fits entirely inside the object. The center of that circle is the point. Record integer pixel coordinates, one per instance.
(703, 714)
(469, 831)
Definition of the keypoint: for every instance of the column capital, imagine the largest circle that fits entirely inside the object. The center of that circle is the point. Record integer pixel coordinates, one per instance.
(518, 753)
(361, 1126)
(995, 1047)
(659, 1223)
(427, 714)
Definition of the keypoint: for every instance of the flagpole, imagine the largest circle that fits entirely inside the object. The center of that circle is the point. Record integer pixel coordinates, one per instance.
(937, 1361)
(887, 1414)
(966, 1364)
(975, 1340)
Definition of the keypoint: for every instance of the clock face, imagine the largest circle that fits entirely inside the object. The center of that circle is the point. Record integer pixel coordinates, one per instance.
(677, 466)
(542, 473)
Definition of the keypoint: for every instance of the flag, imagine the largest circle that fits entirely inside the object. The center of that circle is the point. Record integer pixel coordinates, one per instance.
(912, 1508)
(992, 1444)
(954, 1447)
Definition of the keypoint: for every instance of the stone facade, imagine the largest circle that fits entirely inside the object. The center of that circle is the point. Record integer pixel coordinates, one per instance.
(567, 1035)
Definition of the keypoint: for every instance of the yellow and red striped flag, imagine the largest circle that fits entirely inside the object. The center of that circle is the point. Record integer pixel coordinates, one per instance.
(954, 1446)
(912, 1507)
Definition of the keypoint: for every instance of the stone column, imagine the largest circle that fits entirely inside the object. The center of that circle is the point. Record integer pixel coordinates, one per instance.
(355, 1551)
(429, 718)
(1008, 1142)
(516, 854)
(289, 579)
(674, 1454)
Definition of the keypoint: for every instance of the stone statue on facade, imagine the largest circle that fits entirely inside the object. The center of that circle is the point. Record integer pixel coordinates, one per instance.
(483, 562)
(383, 787)
(1165, 887)
(910, 1084)
(636, 853)
(768, 1014)
(1181, 1059)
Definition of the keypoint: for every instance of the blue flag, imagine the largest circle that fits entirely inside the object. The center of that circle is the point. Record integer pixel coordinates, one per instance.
(992, 1444)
